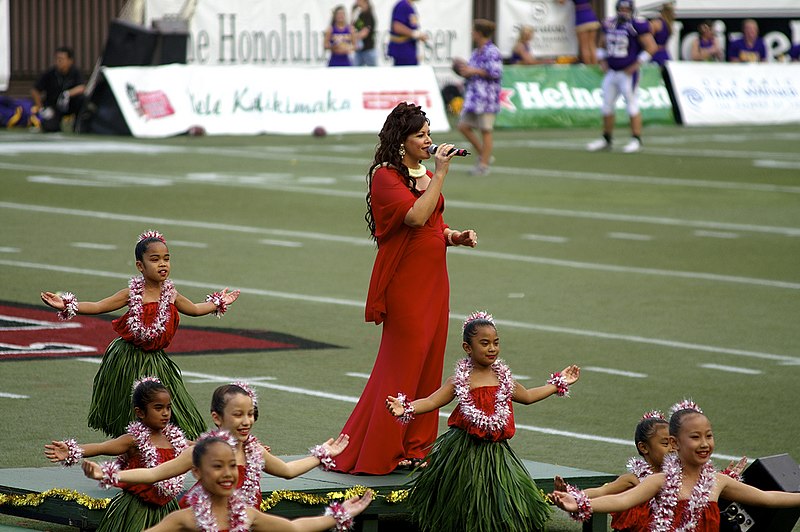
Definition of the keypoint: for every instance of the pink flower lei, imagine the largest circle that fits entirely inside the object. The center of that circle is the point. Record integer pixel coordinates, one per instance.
(666, 501)
(200, 503)
(497, 421)
(254, 454)
(135, 306)
(639, 467)
(142, 435)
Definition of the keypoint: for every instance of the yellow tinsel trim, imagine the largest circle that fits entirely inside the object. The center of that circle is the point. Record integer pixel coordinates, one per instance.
(267, 503)
(35, 499)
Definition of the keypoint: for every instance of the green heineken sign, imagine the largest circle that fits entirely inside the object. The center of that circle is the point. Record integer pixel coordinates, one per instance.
(570, 96)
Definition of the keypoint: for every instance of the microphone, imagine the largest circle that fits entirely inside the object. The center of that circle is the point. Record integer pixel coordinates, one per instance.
(460, 152)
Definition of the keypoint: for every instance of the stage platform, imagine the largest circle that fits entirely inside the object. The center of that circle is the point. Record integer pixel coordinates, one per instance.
(73, 499)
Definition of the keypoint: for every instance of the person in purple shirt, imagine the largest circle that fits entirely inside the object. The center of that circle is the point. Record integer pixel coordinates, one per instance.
(628, 44)
(661, 28)
(404, 33)
(705, 47)
(750, 48)
(339, 38)
(482, 93)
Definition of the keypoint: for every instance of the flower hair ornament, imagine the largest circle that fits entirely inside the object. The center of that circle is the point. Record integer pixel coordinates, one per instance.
(141, 381)
(478, 315)
(249, 390)
(653, 414)
(223, 435)
(686, 404)
(151, 234)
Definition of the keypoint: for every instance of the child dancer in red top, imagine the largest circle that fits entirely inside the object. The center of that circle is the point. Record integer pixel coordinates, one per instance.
(215, 504)
(145, 331)
(147, 443)
(473, 481)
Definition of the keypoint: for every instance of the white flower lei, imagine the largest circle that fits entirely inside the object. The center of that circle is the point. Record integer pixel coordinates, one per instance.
(639, 467)
(200, 503)
(497, 421)
(141, 433)
(254, 454)
(667, 499)
(135, 306)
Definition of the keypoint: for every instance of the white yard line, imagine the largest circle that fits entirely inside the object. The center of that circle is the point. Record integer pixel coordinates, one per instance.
(366, 242)
(455, 316)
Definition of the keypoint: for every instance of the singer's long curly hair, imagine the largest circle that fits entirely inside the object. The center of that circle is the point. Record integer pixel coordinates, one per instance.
(404, 120)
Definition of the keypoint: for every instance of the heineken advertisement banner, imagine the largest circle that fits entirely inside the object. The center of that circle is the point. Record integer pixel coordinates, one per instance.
(570, 96)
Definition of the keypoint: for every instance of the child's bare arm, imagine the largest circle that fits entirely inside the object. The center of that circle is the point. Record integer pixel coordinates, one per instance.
(109, 304)
(218, 303)
(437, 399)
(57, 451)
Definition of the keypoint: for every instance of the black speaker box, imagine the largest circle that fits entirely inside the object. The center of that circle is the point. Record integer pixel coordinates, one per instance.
(129, 44)
(770, 473)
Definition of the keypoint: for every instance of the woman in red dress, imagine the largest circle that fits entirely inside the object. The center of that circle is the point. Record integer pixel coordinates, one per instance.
(409, 293)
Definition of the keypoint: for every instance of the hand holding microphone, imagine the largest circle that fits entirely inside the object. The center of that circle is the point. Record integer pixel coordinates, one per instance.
(460, 152)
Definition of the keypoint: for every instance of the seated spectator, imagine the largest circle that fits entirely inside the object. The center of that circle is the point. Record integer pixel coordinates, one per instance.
(521, 52)
(750, 48)
(706, 47)
(59, 91)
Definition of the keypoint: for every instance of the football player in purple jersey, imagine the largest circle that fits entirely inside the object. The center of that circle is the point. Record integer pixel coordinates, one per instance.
(627, 44)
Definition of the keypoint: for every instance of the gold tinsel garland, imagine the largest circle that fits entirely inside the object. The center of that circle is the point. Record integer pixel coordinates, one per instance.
(277, 496)
(35, 499)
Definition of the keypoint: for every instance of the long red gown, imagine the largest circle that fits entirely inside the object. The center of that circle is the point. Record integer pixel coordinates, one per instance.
(409, 293)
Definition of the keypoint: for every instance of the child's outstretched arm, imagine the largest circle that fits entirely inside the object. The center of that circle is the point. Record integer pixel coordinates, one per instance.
(618, 485)
(444, 395)
(321, 455)
(62, 301)
(646, 490)
(558, 383)
(217, 303)
(736, 491)
(60, 451)
(171, 468)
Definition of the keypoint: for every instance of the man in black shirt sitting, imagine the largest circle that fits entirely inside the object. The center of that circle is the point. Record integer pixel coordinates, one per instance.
(59, 91)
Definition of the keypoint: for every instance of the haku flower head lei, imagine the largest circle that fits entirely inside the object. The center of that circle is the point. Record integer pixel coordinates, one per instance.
(653, 414)
(478, 315)
(249, 390)
(686, 404)
(223, 435)
(151, 234)
(143, 380)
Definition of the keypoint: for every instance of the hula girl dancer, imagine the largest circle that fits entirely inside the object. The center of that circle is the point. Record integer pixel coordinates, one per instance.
(145, 331)
(147, 443)
(684, 495)
(234, 408)
(215, 505)
(473, 481)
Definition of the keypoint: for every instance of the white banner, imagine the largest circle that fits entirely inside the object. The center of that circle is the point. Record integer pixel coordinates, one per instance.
(736, 93)
(248, 100)
(5, 46)
(269, 33)
(552, 21)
